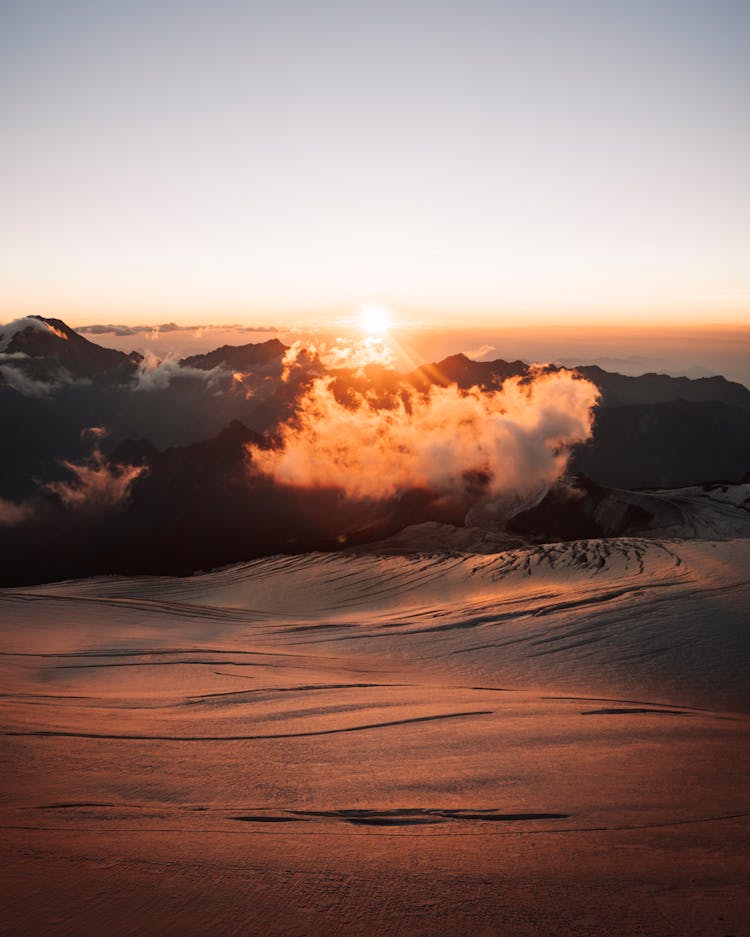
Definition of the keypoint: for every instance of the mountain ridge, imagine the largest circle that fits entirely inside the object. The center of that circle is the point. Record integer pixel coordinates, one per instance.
(173, 440)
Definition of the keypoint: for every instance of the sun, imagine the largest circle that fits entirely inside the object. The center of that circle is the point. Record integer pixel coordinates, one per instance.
(374, 318)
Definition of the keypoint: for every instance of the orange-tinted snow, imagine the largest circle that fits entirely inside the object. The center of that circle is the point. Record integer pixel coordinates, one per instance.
(545, 741)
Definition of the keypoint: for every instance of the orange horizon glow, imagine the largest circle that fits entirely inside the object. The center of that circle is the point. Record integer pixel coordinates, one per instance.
(401, 318)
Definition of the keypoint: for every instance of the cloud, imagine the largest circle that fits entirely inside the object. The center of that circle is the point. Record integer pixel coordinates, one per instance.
(10, 329)
(12, 513)
(478, 353)
(315, 357)
(123, 331)
(95, 483)
(119, 330)
(348, 353)
(25, 384)
(509, 444)
(155, 373)
(14, 377)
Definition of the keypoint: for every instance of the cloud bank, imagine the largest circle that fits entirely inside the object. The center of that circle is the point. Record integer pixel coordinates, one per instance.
(511, 443)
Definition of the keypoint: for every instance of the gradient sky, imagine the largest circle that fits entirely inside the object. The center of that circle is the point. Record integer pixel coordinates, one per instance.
(494, 161)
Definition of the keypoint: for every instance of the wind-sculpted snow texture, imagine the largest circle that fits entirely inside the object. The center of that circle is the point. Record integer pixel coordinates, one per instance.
(546, 740)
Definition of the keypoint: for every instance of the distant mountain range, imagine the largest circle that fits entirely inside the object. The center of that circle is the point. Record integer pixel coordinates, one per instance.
(187, 424)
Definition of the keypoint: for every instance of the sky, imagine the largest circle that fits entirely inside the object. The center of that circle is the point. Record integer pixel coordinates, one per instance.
(459, 162)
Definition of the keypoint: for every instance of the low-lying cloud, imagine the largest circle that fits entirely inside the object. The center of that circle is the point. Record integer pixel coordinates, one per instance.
(155, 373)
(12, 513)
(126, 330)
(22, 383)
(95, 483)
(346, 353)
(510, 443)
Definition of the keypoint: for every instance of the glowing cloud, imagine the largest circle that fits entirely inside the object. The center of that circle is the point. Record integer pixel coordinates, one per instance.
(341, 353)
(95, 484)
(511, 443)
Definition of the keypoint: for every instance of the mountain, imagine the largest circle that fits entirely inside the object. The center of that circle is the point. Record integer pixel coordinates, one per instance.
(617, 389)
(198, 504)
(45, 349)
(196, 507)
(649, 431)
(623, 390)
(465, 373)
(667, 445)
(582, 509)
(54, 384)
(238, 357)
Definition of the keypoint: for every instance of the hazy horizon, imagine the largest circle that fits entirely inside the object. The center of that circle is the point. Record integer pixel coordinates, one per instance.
(698, 351)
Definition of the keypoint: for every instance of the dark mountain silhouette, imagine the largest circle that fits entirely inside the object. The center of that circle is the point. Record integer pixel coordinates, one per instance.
(238, 357)
(464, 372)
(39, 431)
(60, 347)
(199, 507)
(617, 389)
(77, 384)
(666, 445)
(623, 390)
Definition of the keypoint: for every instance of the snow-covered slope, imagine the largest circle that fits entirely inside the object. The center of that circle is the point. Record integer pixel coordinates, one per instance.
(547, 740)
(631, 615)
(715, 511)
